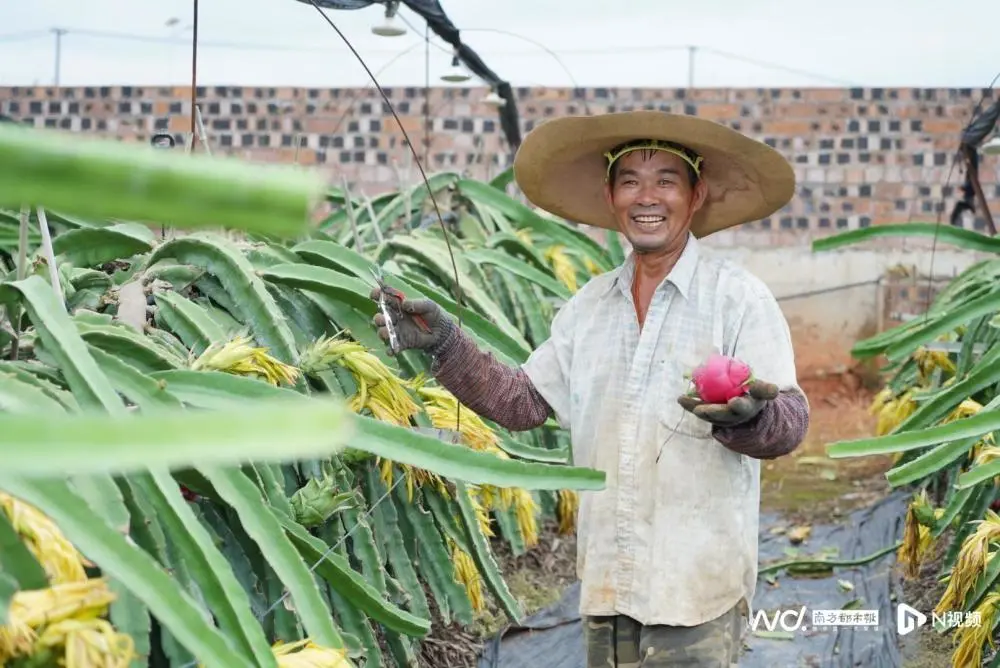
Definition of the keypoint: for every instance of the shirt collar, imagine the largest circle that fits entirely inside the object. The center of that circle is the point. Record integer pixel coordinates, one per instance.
(681, 276)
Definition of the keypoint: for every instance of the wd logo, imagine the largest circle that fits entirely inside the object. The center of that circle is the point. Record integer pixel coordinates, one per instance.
(908, 619)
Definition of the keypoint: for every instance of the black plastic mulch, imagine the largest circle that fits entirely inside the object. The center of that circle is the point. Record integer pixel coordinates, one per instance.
(553, 637)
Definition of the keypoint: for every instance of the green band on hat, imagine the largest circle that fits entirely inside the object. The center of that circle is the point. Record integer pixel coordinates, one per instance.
(653, 145)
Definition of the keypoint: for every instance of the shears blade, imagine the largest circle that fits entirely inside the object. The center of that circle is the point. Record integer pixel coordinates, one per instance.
(383, 306)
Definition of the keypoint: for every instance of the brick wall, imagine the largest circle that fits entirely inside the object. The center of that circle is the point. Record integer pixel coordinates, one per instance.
(861, 156)
(907, 296)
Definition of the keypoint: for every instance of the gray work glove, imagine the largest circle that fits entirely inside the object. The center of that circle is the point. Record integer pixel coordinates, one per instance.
(737, 410)
(418, 323)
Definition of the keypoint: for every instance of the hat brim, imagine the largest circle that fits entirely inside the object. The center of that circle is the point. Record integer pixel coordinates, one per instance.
(560, 167)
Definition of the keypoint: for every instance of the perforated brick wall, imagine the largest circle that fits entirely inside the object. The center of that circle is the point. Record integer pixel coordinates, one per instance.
(861, 156)
(909, 296)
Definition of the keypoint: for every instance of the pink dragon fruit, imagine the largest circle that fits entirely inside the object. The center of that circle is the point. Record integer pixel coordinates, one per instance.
(721, 378)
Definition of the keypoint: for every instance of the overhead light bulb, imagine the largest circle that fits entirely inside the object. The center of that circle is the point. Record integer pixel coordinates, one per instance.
(494, 100)
(455, 73)
(992, 147)
(389, 27)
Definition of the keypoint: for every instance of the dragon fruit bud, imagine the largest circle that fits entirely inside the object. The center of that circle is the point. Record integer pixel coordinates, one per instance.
(319, 500)
(721, 378)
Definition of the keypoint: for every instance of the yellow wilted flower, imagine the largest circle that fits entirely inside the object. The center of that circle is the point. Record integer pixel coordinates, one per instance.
(88, 643)
(592, 266)
(441, 407)
(562, 266)
(524, 235)
(883, 397)
(34, 609)
(569, 504)
(917, 538)
(492, 496)
(467, 575)
(525, 510)
(891, 411)
(307, 654)
(59, 558)
(379, 389)
(414, 477)
(478, 507)
(985, 450)
(928, 360)
(967, 408)
(971, 637)
(973, 558)
(240, 358)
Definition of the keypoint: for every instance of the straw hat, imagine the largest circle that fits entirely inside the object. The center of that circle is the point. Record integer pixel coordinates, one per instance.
(561, 167)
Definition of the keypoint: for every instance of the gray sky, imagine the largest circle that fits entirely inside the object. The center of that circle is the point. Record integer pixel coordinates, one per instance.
(286, 43)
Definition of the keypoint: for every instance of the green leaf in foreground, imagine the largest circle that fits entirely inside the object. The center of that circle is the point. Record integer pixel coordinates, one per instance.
(263, 527)
(58, 334)
(275, 430)
(100, 178)
(479, 550)
(955, 236)
(462, 463)
(8, 587)
(979, 474)
(524, 217)
(336, 569)
(136, 569)
(219, 586)
(17, 561)
(93, 246)
(977, 425)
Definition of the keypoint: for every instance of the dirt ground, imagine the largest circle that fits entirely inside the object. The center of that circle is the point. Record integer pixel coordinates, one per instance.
(537, 579)
(809, 485)
(926, 648)
(806, 486)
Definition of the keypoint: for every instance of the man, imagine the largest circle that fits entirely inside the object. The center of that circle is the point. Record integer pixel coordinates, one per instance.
(667, 553)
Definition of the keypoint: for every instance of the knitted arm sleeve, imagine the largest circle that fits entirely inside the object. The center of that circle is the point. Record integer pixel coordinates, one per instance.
(776, 431)
(484, 384)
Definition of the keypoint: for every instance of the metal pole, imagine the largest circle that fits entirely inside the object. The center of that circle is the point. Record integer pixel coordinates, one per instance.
(59, 32)
(427, 92)
(977, 187)
(691, 50)
(194, 78)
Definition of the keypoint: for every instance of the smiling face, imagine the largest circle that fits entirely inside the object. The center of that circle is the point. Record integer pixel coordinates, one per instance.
(653, 199)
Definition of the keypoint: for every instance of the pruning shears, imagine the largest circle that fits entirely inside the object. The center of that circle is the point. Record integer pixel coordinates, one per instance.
(390, 297)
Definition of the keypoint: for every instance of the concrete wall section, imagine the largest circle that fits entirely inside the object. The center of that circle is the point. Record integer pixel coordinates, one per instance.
(835, 298)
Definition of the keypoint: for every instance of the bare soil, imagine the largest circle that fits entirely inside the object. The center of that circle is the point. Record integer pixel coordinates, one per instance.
(536, 579)
(809, 485)
(925, 647)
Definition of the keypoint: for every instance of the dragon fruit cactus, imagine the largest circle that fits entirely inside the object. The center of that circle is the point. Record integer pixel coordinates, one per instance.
(721, 378)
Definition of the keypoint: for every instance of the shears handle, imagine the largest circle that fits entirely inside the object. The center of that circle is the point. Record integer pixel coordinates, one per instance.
(397, 296)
